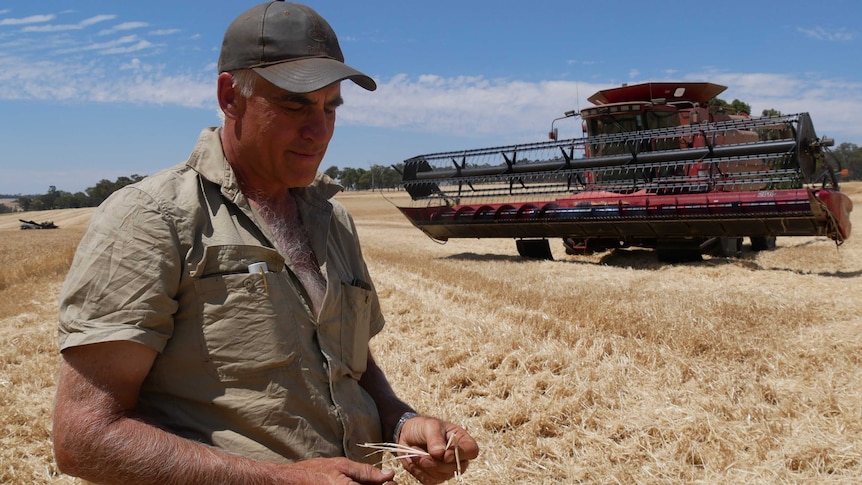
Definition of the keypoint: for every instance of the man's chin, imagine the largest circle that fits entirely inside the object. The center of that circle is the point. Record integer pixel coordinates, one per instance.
(303, 180)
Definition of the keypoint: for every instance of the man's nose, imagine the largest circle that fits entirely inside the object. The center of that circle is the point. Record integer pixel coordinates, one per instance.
(318, 125)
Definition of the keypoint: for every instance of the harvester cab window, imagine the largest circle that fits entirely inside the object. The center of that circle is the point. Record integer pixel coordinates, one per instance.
(609, 124)
(663, 119)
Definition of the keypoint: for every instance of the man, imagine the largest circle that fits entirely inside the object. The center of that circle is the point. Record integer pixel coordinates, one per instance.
(214, 324)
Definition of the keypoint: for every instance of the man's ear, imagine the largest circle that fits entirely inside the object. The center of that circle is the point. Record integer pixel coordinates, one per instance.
(228, 96)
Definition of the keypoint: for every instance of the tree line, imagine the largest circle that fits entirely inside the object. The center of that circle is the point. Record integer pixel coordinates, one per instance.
(378, 177)
(60, 199)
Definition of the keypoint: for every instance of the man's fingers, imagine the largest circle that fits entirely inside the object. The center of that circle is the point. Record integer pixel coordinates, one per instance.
(367, 474)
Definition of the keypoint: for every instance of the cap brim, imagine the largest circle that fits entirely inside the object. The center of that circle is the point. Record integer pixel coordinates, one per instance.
(313, 73)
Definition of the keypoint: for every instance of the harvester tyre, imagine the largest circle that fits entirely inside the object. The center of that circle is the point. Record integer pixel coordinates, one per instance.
(678, 255)
(762, 243)
(729, 247)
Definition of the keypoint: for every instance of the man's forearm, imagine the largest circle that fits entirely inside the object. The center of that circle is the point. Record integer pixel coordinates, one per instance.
(97, 437)
(389, 406)
(129, 451)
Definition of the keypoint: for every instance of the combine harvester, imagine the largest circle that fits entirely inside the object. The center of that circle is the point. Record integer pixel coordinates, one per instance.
(657, 168)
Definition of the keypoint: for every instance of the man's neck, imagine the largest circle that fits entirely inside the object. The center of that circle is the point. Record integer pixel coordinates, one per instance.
(291, 238)
(282, 206)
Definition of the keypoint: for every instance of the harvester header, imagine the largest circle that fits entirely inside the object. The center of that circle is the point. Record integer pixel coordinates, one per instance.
(658, 167)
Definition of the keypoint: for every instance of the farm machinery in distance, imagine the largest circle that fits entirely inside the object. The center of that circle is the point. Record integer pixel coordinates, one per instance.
(657, 168)
(37, 225)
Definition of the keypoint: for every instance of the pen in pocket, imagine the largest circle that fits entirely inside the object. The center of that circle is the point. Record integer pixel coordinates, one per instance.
(262, 269)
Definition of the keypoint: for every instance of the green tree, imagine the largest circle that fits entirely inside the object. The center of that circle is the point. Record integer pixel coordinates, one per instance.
(850, 158)
(740, 106)
(25, 203)
(350, 178)
(99, 192)
(50, 198)
(333, 172)
(392, 176)
(364, 180)
(72, 201)
(718, 105)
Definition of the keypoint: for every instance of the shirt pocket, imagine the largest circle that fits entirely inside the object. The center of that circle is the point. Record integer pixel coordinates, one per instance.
(355, 328)
(247, 322)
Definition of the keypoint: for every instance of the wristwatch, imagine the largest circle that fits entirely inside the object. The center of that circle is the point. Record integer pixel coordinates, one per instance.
(404, 417)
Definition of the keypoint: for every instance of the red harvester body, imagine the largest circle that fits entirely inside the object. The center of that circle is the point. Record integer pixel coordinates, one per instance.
(658, 168)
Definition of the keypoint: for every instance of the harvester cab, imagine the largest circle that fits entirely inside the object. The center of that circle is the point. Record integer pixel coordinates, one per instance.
(659, 167)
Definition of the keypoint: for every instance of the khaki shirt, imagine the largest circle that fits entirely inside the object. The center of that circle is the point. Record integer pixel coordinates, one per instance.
(243, 363)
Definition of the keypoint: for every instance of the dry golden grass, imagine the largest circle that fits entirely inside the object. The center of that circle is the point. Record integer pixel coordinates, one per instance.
(34, 264)
(609, 368)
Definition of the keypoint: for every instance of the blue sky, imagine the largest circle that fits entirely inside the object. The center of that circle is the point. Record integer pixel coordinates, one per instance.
(97, 89)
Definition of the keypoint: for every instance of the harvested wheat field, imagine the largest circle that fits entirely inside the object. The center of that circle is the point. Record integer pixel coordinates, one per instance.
(610, 368)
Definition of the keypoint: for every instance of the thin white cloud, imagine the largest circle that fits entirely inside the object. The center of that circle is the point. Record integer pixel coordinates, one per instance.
(67, 27)
(124, 26)
(164, 31)
(128, 43)
(97, 19)
(463, 106)
(135, 65)
(138, 46)
(33, 19)
(131, 81)
(819, 33)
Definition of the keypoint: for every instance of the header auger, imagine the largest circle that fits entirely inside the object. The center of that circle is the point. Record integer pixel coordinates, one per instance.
(657, 168)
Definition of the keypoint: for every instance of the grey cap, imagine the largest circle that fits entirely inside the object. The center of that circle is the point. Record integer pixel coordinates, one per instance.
(289, 45)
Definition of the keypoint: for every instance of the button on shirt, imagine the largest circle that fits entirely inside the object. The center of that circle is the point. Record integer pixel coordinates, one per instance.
(243, 363)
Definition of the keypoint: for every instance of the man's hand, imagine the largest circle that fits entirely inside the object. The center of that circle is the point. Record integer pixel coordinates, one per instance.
(450, 449)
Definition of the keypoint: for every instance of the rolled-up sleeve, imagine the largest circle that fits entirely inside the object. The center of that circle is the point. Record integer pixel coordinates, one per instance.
(124, 277)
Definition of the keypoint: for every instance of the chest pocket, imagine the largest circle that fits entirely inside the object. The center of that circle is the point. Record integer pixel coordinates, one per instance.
(248, 324)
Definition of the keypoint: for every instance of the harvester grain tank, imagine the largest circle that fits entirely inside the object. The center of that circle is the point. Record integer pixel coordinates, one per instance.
(660, 166)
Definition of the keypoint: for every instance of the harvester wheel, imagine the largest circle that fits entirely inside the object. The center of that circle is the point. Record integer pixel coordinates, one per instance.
(574, 246)
(678, 255)
(679, 250)
(534, 248)
(728, 247)
(762, 243)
